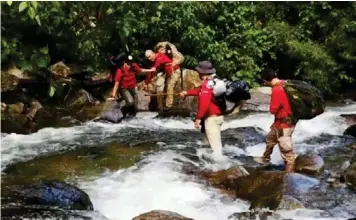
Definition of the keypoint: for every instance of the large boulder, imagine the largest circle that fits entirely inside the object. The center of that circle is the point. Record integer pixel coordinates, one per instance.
(351, 131)
(160, 215)
(273, 189)
(260, 98)
(309, 164)
(111, 112)
(49, 194)
(224, 180)
(61, 70)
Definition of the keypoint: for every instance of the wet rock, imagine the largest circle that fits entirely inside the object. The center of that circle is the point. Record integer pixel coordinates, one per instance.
(17, 108)
(260, 98)
(349, 118)
(40, 213)
(256, 215)
(225, 179)
(78, 98)
(111, 111)
(273, 189)
(351, 130)
(160, 215)
(51, 194)
(243, 136)
(61, 70)
(143, 101)
(12, 122)
(8, 81)
(350, 176)
(309, 164)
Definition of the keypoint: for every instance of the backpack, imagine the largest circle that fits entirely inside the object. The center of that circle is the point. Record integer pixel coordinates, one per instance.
(172, 52)
(232, 91)
(305, 100)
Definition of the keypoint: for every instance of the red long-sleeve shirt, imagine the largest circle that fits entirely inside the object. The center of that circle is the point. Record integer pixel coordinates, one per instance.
(280, 106)
(163, 61)
(206, 107)
(127, 76)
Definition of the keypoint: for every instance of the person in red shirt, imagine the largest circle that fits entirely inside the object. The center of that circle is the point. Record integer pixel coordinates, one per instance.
(282, 127)
(164, 63)
(208, 110)
(125, 78)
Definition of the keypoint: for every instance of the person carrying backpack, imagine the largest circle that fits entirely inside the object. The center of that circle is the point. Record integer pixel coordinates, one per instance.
(282, 127)
(291, 101)
(208, 110)
(172, 71)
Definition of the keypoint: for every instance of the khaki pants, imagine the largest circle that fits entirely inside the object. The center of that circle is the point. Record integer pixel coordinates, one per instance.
(282, 137)
(172, 81)
(213, 133)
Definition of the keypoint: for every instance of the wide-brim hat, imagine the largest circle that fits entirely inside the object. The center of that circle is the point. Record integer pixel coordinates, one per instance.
(205, 67)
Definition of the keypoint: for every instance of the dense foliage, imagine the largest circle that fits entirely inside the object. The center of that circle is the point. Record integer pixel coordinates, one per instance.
(313, 41)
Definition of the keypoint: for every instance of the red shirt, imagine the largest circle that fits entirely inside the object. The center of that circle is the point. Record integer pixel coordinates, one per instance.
(127, 77)
(206, 107)
(280, 106)
(163, 61)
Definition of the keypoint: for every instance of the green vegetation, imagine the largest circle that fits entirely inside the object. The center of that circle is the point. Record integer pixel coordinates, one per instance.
(313, 41)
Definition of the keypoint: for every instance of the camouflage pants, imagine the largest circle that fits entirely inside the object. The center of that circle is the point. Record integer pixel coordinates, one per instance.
(172, 81)
(131, 98)
(282, 137)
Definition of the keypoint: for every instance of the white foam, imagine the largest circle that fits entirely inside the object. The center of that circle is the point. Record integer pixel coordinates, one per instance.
(157, 185)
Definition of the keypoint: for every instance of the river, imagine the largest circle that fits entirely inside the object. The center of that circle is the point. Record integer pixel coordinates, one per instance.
(156, 181)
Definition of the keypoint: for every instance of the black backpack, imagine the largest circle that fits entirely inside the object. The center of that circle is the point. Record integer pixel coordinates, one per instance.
(305, 100)
(237, 91)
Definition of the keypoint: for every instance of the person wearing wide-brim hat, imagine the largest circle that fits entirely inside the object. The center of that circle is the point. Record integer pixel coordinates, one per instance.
(208, 110)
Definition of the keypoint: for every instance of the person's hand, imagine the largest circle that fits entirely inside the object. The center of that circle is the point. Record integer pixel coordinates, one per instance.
(197, 123)
(183, 93)
(110, 99)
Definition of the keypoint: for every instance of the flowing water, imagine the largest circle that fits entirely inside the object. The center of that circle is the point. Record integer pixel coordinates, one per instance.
(157, 181)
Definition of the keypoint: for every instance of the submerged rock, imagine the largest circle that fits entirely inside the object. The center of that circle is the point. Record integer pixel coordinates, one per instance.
(273, 189)
(351, 131)
(160, 215)
(51, 194)
(309, 164)
(40, 213)
(256, 215)
(349, 118)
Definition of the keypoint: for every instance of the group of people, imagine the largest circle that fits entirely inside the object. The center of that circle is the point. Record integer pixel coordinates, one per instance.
(212, 116)
(209, 115)
(125, 77)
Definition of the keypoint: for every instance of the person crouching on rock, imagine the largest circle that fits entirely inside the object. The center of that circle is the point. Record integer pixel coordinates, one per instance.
(125, 78)
(282, 128)
(172, 71)
(208, 110)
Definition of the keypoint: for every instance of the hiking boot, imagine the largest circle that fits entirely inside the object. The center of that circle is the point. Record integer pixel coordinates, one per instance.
(262, 160)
